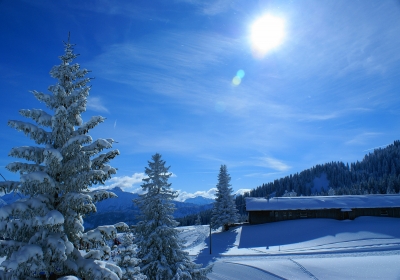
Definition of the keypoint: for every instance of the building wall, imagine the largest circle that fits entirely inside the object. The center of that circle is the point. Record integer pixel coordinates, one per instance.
(260, 217)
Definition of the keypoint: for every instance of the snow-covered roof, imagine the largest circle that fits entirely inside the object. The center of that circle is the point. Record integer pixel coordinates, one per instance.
(322, 202)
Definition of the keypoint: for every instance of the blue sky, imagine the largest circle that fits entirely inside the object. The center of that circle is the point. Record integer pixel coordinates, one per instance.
(163, 79)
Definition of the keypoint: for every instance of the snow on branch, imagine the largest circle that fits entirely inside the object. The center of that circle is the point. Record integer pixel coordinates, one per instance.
(24, 167)
(34, 154)
(53, 153)
(60, 93)
(79, 139)
(97, 146)
(17, 228)
(94, 270)
(39, 116)
(25, 208)
(121, 226)
(98, 236)
(112, 267)
(37, 182)
(77, 163)
(68, 278)
(31, 254)
(73, 142)
(81, 73)
(9, 186)
(100, 195)
(64, 70)
(9, 246)
(39, 135)
(78, 106)
(52, 218)
(80, 92)
(109, 170)
(47, 99)
(39, 177)
(102, 159)
(93, 122)
(78, 202)
(16, 209)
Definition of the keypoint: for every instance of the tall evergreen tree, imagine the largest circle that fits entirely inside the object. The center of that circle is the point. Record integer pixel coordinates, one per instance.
(41, 234)
(224, 211)
(157, 238)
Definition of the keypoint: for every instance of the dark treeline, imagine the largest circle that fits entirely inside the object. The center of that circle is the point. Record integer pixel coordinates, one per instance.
(190, 220)
(377, 173)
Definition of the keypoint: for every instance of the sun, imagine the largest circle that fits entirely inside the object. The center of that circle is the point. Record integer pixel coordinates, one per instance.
(267, 33)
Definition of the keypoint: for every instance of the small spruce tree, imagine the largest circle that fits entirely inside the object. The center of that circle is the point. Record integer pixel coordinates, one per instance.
(41, 234)
(198, 220)
(289, 194)
(224, 211)
(160, 248)
(127, 260)
(331, 191)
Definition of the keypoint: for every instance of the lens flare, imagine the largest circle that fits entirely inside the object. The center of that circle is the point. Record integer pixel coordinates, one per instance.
(240, 74)
(236, 81)
(238, 78)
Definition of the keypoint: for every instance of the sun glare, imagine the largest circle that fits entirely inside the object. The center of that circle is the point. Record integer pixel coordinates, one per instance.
(267, 33)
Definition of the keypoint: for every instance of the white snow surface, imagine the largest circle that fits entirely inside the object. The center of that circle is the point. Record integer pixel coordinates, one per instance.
(323, 202)
(365, 248)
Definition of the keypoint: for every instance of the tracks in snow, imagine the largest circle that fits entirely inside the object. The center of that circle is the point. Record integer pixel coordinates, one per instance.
(196, 235)
(304, 269)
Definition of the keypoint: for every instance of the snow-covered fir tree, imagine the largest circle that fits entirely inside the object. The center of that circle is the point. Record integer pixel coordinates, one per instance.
(289, 194)
(127, 260)
(198, 220)
(41, 234)
(224, 210)
(160, 248)
(331, 191)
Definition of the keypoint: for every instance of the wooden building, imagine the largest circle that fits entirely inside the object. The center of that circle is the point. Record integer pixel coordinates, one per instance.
(263, 210)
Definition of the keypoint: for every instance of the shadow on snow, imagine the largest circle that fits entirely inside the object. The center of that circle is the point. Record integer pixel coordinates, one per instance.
(297, 231)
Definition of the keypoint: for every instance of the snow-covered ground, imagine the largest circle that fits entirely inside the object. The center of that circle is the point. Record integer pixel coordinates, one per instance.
(365, 248)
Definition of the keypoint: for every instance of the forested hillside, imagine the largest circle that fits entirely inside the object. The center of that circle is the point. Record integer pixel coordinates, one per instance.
(377, 173)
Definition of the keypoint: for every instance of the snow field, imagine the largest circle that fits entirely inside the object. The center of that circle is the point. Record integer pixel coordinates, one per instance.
(365, 248)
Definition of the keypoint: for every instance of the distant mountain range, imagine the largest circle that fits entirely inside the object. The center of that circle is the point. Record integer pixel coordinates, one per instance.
(123, 209)
(199, 200)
